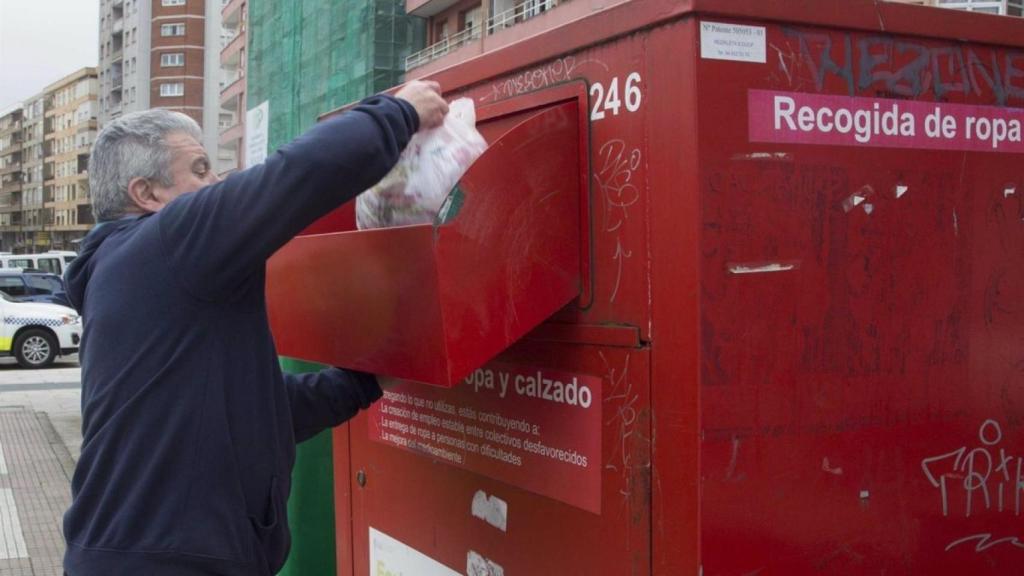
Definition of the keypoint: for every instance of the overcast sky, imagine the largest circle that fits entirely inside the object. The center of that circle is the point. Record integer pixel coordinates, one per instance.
(41, 41)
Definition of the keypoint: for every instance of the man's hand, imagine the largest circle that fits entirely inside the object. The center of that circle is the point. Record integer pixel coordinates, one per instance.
(425, 97)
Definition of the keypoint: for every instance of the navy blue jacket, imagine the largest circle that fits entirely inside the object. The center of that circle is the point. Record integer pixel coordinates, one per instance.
(189, 426)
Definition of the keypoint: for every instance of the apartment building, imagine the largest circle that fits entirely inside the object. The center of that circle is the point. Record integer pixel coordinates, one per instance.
(161, 54)
(11, 156)
(231, 119)
(34, 151)
(124, 57)
(185, 62)
(460, 29)
(70, 127)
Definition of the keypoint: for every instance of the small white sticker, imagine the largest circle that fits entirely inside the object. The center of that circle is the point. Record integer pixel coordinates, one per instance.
(490, 509)
(735, 42)
(477, 565)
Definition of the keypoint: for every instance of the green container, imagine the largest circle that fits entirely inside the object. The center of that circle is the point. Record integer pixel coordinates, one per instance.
(307, 58)
(311, 505)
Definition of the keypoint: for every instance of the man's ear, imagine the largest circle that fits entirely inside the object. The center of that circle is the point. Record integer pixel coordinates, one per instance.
(140, 190)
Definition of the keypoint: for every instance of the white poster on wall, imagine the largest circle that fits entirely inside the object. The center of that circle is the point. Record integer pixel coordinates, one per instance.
(389, 557)
(257, 131)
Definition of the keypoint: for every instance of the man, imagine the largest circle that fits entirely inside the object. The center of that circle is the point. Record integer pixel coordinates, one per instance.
(189, 427)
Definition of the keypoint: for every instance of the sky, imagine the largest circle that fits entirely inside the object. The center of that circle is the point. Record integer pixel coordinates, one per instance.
(41, 41)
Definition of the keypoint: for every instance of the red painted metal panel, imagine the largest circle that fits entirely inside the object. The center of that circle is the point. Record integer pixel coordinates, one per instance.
(827, 338)
(343, 484)
(431, 302)
(676, 253)
(428, 505)
(860, 342)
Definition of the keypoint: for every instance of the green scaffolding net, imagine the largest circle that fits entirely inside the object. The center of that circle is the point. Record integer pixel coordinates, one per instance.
(309, 57)
(305, 58)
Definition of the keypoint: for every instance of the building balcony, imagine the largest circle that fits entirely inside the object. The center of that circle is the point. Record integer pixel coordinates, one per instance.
(233, 133)
(229, 74)
(232, 11)
(117, 55)
(439, 49)
(233, 90)
(229, 157)
(233, 102)
(118, 27)
(70, 227)
(506, 15)
(10, 169)
(67, 204)
(230, 54)
(427, 8)
(516, 14)
(117, 82)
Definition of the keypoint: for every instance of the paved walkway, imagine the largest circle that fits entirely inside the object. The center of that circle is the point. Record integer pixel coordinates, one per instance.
(35, 473)
(40, 433)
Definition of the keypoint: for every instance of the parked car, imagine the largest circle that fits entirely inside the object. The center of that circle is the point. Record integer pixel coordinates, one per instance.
(33, 286)
(36, 333)
(55, 261)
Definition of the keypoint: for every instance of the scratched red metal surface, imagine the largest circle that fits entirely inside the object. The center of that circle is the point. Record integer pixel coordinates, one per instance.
(826, 378)
(861, 345)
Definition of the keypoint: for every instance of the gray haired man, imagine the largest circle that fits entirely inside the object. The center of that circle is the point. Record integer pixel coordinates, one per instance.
(189, 426)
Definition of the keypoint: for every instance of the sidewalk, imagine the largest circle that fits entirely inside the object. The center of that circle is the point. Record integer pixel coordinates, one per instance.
(35, 478)
(40, 432)
(54, 391)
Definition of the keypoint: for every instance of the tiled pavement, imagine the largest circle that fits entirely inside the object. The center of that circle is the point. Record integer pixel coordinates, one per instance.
(35, 472)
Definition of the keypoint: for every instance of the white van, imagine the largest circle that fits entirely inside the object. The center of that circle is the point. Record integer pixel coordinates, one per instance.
(54, 261)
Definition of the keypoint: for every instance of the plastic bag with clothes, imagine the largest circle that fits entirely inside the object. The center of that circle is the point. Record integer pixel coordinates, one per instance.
(429, 167)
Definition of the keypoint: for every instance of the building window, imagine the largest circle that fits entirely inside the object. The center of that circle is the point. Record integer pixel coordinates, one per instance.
(440, 30)
(471, 20)
(172, 59)
(172, 29)
(172, 2)
(135, 35)
(172, 89)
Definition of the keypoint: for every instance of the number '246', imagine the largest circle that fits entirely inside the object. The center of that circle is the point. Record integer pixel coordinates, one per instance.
(609, 101)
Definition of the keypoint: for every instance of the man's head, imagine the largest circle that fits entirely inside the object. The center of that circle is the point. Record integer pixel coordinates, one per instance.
(143, 160)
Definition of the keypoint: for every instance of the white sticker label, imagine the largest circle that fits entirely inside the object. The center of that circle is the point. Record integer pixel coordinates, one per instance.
(257, 133)
(733, 42)
(389, 557)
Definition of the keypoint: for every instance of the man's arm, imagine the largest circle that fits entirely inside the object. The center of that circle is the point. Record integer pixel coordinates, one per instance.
(325, 399)
(217, 237)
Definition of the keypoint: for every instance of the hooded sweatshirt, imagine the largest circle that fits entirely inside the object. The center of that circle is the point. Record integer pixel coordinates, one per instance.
(189, 426)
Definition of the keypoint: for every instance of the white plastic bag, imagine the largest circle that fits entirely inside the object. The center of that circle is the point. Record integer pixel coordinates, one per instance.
(427, 170)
